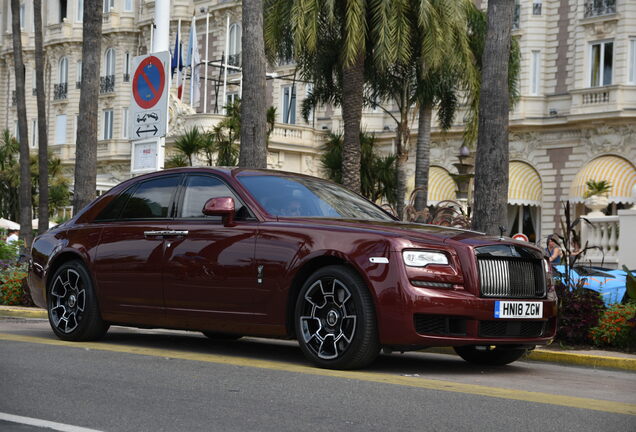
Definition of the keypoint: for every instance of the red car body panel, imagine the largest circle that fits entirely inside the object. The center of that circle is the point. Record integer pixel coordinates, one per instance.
(243, 278)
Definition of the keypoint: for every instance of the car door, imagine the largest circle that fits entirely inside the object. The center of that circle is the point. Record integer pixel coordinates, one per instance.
(130, 256)
(210, 277)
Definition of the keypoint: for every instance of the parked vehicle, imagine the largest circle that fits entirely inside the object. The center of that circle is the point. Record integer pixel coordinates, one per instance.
(609, 283)
(234, 252)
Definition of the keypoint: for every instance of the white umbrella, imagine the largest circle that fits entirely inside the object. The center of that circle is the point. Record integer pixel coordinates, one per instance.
(9, 225)
(34, 223)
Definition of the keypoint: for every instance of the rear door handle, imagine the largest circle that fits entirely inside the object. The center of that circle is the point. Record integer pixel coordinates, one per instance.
(171, 233)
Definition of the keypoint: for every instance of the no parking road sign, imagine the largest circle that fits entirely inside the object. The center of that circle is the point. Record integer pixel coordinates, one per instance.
(149, 103)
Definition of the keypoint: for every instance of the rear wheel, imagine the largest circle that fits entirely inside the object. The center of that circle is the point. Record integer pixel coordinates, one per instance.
(72, 304)
(487, 356)
(335, 320)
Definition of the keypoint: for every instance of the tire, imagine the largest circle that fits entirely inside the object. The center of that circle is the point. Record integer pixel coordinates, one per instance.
(221, 336)
(498, 356)
(335, 320)
(72, 305)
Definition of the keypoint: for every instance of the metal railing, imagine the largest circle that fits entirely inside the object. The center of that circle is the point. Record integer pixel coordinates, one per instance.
(60, 91)
(595, 8)
(107, 84)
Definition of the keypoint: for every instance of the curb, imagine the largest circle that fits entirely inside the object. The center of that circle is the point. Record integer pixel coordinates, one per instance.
(541, 355)
(22, 312)
(548, 356)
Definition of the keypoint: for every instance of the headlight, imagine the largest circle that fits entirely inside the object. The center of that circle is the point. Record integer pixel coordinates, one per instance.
(423, 258)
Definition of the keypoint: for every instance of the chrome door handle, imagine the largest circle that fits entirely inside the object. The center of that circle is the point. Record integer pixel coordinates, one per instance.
(176, 233)
(154, 233)
(172, 233)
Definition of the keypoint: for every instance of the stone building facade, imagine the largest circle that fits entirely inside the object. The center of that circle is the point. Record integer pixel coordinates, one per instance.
(575, 120)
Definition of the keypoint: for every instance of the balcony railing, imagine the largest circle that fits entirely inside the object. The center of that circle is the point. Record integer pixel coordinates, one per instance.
(595, 8)
(60, 91)
(596, 97)
(601, 232)
(107, 84)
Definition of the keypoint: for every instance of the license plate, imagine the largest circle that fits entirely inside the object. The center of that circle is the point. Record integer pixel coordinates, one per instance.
(518, 309)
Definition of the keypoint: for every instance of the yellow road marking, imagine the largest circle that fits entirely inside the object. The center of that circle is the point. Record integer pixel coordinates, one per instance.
(384, 378)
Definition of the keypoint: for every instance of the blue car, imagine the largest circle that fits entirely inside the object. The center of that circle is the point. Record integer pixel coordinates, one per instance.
(611, 284)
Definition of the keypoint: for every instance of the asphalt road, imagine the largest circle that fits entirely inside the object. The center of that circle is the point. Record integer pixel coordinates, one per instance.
(154, 380)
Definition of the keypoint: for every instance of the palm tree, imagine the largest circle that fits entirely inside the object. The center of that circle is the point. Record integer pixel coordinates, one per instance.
(43, 185)
(253, 127)
(86, 142)
(332, 42)
(9, 177)
(377, 173)
(26, 212)
(491, 165)
(189, 144)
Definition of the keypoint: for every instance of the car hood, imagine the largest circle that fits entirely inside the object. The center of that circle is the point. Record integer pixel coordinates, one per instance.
(414, 232)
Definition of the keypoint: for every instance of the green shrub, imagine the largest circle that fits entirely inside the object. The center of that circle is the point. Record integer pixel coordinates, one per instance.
(13, 288)
(579, 311)
(616, 327)
(9, 252)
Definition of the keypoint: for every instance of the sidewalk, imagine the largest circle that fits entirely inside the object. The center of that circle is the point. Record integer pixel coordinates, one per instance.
(550, 354)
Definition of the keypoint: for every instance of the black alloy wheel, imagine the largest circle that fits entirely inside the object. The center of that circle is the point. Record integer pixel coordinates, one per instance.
(335, 320)
(72, 305)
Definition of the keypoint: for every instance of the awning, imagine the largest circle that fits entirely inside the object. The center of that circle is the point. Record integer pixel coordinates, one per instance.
(619, 172)
(440, 186)
(524, 185)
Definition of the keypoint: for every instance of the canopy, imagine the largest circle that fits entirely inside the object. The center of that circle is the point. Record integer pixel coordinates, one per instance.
(524, 185)
(619, 172)
(9, 225)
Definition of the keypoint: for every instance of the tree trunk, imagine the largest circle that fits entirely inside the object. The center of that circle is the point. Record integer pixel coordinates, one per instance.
(86, 142)
(26, 211)
(491, 165)
(43, 157)
(253, 153)
(422, 158)
(352, 95)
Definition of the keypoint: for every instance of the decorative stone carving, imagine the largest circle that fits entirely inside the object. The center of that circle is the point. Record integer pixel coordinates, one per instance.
(177, 112)
(610, 139)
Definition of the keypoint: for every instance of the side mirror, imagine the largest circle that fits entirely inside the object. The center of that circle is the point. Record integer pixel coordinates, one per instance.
(222, 206)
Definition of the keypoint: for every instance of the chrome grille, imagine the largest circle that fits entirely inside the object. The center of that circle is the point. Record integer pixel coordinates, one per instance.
(510, 277)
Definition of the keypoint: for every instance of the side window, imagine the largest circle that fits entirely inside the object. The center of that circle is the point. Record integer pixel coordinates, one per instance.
(199, 189)
(151, 199)
(113, 209)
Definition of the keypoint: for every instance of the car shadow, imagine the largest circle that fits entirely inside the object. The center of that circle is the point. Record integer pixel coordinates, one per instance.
(416, 363)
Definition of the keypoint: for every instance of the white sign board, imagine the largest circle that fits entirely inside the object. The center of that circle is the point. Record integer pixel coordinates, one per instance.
(147, 155)
(149, 100)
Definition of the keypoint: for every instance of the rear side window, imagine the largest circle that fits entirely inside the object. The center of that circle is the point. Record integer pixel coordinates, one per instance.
(151, 199)
(199, 189)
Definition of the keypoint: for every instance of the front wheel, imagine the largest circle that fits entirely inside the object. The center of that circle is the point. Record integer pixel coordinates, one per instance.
(486, 356)
(72, 304)
(335, 320)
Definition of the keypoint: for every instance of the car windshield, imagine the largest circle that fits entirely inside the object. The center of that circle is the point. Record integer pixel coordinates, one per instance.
(291, 196)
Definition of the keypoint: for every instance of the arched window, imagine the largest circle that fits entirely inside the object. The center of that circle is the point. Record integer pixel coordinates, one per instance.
(62, 76)
(109, 62)
(234, 51)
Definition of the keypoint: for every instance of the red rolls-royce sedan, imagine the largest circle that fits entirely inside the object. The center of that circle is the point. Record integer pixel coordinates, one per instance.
(234, 252)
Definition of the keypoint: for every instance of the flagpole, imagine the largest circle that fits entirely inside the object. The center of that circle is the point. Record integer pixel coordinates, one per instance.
(178, 58)
(207, 40)
(191, 55)
(227, 50)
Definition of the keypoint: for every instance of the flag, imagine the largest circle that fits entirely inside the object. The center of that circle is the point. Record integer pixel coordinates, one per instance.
(193, 61)
(177, 64)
